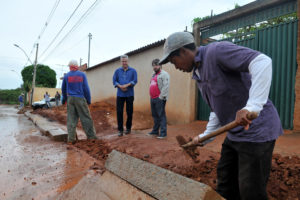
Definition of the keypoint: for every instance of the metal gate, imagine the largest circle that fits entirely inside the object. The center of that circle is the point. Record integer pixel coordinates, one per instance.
(280, 43)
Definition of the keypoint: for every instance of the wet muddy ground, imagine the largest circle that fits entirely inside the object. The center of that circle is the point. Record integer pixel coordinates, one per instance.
(284, 180)
(32, 166)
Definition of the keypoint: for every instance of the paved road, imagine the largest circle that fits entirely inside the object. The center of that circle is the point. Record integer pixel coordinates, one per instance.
(31, 165)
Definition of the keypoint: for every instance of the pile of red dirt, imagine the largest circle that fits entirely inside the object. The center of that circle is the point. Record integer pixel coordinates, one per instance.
(96, 148)
(103, 114)
(284, 182)
(99, 114)
(58, 114)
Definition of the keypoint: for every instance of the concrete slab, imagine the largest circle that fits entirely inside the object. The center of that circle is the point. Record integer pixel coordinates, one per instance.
(49, 128)
(32, 117)
(87, 188)
(156, 181)
(116, 188)
(105, 187)
(53, 129)
(58, 134)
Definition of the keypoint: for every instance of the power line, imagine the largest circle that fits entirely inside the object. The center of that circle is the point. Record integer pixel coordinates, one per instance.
(73, 46)
(88, 11)
(45, 26)
(30, 53)
(61, 28)
(48, 19)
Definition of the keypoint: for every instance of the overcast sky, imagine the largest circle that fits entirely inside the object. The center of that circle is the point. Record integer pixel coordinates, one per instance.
(117, 27)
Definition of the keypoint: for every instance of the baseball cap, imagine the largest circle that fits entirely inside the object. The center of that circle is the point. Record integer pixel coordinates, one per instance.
(174, 42)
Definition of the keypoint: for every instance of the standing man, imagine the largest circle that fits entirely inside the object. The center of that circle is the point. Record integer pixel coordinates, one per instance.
(125, 78)
(234, 81)
(76, 92)
(21, 101)
(47, 99)
(57, 98)
(159, 90)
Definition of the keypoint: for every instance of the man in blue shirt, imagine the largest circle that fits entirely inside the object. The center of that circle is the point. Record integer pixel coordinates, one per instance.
(125, 78)
(21, 100)
(233, 81)
(76, 91)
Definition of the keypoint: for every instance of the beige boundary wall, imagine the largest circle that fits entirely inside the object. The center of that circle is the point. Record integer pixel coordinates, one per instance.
(39, 93)
(180, 107)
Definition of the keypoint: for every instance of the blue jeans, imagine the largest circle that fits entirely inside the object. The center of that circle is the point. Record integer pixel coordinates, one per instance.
(159, 116)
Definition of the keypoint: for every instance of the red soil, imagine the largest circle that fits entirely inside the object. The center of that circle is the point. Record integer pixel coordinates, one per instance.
(284, 182)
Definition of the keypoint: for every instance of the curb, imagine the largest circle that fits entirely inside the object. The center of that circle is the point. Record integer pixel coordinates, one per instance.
(48, 128)
(156, 181)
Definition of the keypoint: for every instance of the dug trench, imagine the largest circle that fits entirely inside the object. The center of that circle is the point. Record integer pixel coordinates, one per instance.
(284, 181)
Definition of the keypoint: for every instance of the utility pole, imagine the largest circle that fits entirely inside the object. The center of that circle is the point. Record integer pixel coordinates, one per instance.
(80, 60)
(90, 37)
(34, 72)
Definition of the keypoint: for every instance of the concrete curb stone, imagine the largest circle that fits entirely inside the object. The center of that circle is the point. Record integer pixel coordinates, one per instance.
(156, 181)
(47, 127)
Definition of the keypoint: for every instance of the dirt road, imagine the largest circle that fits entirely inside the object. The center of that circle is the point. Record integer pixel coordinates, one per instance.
(32, 166)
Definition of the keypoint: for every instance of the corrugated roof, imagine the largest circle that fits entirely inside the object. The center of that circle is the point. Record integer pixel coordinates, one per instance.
(139, 50)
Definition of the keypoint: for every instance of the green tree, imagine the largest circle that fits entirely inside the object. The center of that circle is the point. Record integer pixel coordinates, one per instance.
(45, 76)
(10, 96)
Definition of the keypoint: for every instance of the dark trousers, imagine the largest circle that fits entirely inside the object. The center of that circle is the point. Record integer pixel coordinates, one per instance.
(159, 116)
(129, 111)
(243, 170)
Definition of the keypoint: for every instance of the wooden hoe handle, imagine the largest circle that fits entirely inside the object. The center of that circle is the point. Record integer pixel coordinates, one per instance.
(223, 129)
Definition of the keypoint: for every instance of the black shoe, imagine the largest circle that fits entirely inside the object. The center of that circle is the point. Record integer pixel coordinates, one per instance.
(128, 131)
(120, 133)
